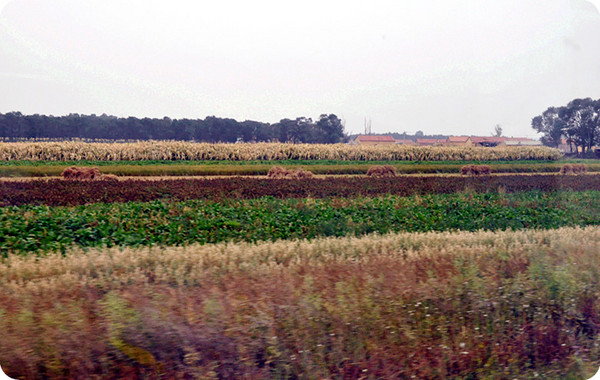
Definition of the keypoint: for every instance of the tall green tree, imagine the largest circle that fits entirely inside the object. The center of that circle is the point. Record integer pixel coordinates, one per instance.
(551, 124)
(332, 128)
(578, 122)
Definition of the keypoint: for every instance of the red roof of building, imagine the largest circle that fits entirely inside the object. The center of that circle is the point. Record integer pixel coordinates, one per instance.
(373, 138)
(404, 141)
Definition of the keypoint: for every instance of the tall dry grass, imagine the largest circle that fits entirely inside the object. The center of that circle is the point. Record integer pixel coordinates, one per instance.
(190, 265)
(438, 305)
(177, 150)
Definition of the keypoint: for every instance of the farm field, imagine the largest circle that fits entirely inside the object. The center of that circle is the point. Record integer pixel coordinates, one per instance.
(185, 151)
(319, 167)
(513, 304)
(197, 159)
(30, 229)
(58, 192)
(429, 274)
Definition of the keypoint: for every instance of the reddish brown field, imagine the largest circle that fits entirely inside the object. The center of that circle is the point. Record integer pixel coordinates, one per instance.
(56, 192)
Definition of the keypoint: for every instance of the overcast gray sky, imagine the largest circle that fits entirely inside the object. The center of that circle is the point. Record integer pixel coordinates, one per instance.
(440, 66)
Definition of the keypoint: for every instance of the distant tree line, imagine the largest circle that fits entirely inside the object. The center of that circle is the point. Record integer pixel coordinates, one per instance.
(328, 129)
(578, 123)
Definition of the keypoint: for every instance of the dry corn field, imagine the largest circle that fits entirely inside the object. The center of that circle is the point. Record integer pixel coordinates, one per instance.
(173, 150)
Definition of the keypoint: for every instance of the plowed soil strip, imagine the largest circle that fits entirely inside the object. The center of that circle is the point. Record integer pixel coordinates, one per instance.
(57, 192)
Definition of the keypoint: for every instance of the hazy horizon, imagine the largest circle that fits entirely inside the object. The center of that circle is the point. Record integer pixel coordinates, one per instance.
(443, 67)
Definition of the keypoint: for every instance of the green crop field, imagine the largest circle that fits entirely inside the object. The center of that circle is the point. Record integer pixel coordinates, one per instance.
(28, 229)
(329, 167)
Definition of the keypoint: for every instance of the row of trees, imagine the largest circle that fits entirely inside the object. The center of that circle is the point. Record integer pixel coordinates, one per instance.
(328, 129)
(578, 123)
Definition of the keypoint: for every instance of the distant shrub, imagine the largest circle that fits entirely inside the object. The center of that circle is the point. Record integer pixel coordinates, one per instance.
(570, 169)
(79, 173)
(281, 172)
(382, 171)
(475, 170)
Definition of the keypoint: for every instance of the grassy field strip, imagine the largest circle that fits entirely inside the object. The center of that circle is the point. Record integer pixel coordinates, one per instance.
(258, 170)
(513, 304)
(315, 162)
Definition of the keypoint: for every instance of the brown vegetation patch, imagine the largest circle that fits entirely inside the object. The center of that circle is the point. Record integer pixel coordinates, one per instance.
(57, 192)
(382, 171)
(281, 172)
(570, 169)
(78, 173)
(475, 170)
(83, 173)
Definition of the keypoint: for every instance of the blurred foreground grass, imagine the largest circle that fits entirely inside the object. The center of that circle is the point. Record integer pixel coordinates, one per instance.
(512, 304)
